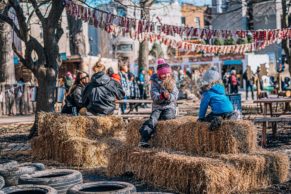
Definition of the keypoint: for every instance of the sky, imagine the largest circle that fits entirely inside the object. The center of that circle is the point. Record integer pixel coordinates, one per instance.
(197, 2)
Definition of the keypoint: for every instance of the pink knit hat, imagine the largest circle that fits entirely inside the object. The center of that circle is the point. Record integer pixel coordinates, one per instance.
(163, 69)
(161, 61)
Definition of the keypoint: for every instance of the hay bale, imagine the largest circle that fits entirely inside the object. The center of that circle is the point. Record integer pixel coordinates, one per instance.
(187, 135)
(77, 141)
(178, 173)
(80, 152)
(188, 174)
(258, 170)
(66, 126)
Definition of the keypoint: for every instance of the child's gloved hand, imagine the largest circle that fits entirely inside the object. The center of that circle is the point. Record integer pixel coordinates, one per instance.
(166, 95)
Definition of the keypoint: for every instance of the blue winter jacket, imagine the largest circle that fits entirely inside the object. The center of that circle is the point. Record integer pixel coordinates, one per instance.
(215, 97)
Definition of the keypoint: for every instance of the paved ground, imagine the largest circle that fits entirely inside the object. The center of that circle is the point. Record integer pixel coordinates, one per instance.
(4, 120)
(15, 145)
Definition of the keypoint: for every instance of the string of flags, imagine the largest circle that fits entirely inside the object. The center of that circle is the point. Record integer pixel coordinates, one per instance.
(146, 30)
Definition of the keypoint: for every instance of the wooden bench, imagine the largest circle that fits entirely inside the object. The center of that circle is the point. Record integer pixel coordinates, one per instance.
(265, 121)
(137, 102)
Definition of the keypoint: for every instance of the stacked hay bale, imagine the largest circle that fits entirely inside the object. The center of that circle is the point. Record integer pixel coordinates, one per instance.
(187, 158)
(77, 141)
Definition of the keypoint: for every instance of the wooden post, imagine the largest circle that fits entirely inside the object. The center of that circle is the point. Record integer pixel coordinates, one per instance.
(264, 130)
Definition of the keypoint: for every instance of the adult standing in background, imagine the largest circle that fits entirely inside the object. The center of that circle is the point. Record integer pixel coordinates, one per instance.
(259, 79)
(141, 83)
(233, 82)
(68, 81)
(19, 95)
(9, 98)
(124, 84)
(249, 77)
(134, 91)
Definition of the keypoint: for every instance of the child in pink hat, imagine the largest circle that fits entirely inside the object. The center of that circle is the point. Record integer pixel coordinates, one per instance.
(161, 61)
(164, 101)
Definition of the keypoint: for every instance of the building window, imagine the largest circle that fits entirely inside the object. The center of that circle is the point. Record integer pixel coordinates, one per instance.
(197, 22)
(183, 20)
(125, 47)
(158, 29)
(121, 11)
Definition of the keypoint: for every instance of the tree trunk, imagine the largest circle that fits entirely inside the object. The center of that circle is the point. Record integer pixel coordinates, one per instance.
(143, 55)
(7, 70)
(46, 90)
(143, 61)
(77, 38)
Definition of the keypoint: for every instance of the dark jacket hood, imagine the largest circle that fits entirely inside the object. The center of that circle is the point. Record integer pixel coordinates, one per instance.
(218, 89)
(100, 79)
(155, 78)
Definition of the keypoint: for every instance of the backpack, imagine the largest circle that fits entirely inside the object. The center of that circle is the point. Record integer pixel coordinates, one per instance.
(233, 80)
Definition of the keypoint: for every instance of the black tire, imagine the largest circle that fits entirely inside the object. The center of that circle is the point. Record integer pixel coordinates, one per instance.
(5, 164)
(2, 182)
(60, 179)
(33, 189)
(108, 187)
(11, 175)
(153, 193)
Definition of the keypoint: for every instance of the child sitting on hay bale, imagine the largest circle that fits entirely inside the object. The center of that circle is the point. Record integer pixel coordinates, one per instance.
(74, 97)
(100, 94)
(164, 93)
(213, 95)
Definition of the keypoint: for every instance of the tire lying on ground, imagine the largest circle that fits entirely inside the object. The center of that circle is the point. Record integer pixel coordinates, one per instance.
(12, 174)
(59, 179)
(5, 163)
(29, 189)
(2, 182)
(109, 187)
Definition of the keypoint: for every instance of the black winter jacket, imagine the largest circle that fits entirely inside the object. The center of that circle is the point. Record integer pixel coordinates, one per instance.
(74, 100)
(99, 95)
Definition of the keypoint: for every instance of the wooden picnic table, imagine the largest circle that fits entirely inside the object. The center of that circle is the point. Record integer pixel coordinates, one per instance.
(137, 102)
(267, 102)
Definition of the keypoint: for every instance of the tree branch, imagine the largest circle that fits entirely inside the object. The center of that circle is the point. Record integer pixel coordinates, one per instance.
(34, 45)
(19, 55)
(59, 32)
(55, 15)
(23, 28)
(37, 11)
(12, 24)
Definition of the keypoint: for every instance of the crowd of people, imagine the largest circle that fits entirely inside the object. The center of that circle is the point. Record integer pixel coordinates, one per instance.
(13, 95)
(98, 95)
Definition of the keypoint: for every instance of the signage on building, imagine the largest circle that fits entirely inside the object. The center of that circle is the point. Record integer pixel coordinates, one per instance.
(15, 60)
(200, 59)
(231, 57)
(63, 56)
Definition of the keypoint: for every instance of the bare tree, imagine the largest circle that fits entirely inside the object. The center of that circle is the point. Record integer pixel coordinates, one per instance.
(7, 71)
(144, 46)
(46, 66)
(77, 38)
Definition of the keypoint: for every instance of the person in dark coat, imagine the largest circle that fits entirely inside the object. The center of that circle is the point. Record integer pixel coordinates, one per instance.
(100, 94)
(250, 80)
(73, 102)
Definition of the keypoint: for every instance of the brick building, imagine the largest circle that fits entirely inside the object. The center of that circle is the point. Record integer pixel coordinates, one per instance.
(193, 15)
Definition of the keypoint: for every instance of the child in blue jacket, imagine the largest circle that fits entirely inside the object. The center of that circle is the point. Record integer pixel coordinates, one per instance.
(213, 95)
